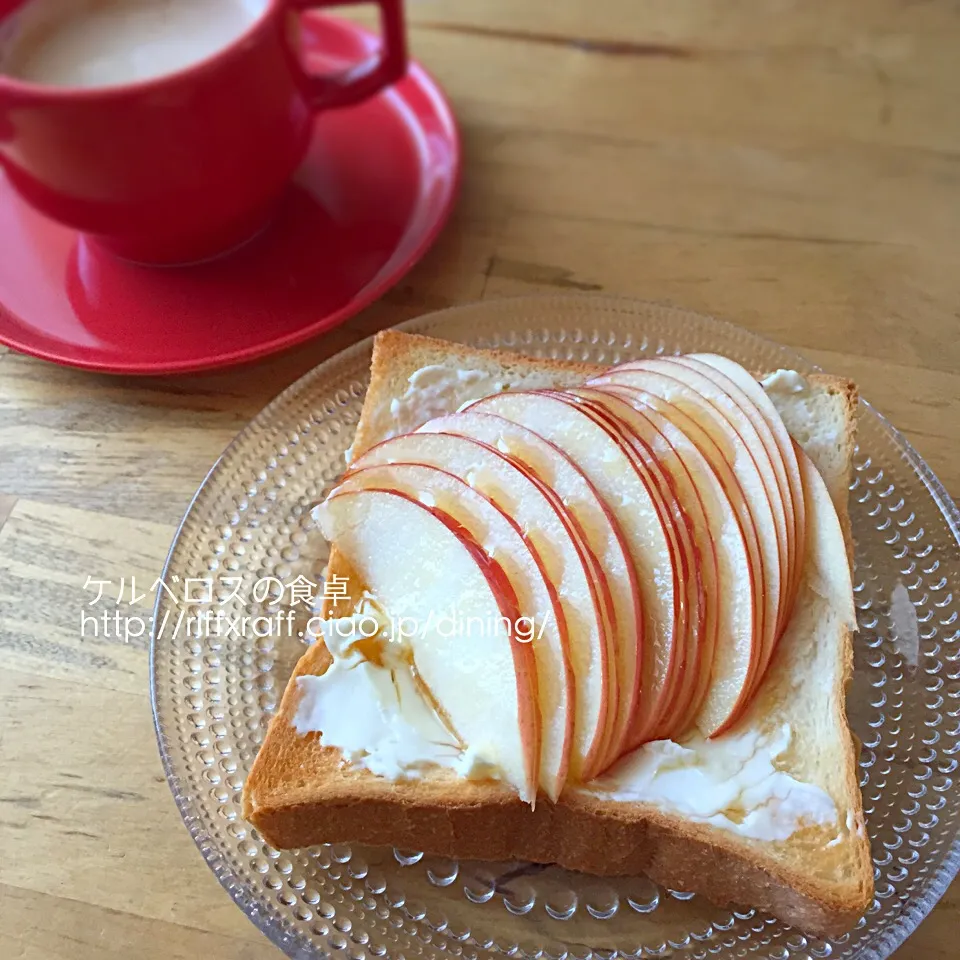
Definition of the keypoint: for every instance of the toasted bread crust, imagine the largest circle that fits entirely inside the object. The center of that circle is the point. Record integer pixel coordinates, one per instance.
(579, 833)
(299, 792)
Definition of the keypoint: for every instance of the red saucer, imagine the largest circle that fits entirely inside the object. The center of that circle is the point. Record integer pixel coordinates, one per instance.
(376, 188)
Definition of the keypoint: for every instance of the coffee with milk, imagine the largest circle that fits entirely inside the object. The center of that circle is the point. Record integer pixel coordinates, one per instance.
(102, 43)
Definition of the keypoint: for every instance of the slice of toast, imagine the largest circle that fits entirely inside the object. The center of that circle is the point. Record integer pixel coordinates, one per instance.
(819, 879)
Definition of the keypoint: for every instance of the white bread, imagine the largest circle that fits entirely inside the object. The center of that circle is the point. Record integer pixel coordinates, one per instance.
(820, 879)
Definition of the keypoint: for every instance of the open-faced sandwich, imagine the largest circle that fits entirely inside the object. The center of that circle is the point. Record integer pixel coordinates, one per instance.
(594, 617)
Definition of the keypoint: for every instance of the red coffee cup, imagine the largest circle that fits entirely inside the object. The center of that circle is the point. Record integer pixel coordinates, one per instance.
(179, 168)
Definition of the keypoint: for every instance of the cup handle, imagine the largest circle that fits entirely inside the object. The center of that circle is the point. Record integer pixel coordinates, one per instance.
(369, 76)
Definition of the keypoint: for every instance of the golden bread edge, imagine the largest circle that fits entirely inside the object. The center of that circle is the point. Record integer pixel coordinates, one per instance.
(299, 794)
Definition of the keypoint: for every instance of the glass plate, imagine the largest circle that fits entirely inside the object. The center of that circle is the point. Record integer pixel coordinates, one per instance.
(213, 696)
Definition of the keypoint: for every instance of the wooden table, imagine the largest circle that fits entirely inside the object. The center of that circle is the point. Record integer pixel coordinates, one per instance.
(794, 167)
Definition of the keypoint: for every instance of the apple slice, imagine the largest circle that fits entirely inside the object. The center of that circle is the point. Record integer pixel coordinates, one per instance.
(605, 459)
(747, 420)
(762, 448)
(729, 586)
(733, 398)
(680, 497)
(758, 397)
(570, 566)
(828, 567)
(596, 524)
(618, 414)
(485, 683)
(753, 503)
(542, 613)
(722, 404)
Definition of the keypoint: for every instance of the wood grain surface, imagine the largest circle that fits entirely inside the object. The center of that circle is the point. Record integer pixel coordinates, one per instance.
(793, 167)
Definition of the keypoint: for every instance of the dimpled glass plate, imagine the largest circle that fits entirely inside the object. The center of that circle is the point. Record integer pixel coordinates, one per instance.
(213, 697)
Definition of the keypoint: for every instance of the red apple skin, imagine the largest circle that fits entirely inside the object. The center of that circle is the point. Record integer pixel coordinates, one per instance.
(523, 659)
(788, 497)
(649, 702)
(601, 600)
(714, 455)
(666, 367)
(788, 450)
(653, 707)
(636, 628)
(801, 535)
(693, 623)
(780, 468)
(708, 557)
(793, 591)
(556, 606)
(628, 374)
(702, 589)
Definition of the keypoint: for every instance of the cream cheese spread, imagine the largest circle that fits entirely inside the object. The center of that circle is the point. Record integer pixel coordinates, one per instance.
(732, 782)
(370, 706)
(436, 390)
(784, 381)
(432, 391)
